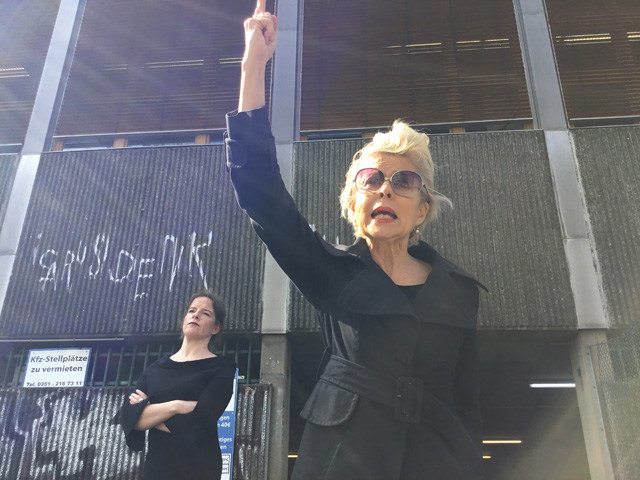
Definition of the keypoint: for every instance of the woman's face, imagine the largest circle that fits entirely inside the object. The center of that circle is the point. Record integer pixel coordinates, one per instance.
(200, 320)
(384, 215)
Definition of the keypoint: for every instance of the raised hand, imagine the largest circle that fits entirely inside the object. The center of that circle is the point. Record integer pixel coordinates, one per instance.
(260, 37)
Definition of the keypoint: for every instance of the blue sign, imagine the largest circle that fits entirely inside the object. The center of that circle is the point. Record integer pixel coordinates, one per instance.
(226, 433)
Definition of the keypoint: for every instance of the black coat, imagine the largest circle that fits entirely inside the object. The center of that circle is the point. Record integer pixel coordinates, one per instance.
(191, 450)
(376, 334)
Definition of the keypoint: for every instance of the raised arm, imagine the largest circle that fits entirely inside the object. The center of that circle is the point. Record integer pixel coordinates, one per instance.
(254, 171)
(261, 35)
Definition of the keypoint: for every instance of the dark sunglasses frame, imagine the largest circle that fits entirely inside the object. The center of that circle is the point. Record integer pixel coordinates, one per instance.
(390, 179)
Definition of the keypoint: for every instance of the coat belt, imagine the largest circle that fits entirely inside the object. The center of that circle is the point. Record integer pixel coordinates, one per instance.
(406, 396)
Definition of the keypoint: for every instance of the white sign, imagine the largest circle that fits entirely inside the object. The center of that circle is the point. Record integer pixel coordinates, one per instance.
(57, 367)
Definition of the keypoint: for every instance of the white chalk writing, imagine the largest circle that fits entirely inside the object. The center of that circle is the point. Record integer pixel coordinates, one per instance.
(60, 270)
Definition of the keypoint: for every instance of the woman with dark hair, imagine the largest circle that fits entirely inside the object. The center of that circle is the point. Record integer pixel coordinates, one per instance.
(397, 396)
(180, 398)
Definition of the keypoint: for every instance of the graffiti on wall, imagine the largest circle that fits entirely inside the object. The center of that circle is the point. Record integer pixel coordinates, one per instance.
(73, 434)
(64, 434)
(61, 269)
(115, 242)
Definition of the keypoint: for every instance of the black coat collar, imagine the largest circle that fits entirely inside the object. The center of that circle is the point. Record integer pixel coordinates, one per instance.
(440, 300)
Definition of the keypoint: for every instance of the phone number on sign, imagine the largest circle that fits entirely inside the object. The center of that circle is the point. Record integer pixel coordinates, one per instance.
(54, 384)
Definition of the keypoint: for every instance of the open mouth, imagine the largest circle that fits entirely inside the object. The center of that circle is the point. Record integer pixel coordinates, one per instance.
(384, 213)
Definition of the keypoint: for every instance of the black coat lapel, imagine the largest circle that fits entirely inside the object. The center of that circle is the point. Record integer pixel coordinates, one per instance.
(372, 292)
(441, 301)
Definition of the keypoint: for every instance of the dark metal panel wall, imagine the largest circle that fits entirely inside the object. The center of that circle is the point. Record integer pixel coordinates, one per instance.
(609, 163)
(116, 241)
(74, 433)
(319, 170)
(504, 227)
(8, 166)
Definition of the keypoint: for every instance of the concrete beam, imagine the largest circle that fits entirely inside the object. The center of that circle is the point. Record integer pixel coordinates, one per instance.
(543, 79)
(285, 103)
(548, 109)
(42, 117)
(581, 257)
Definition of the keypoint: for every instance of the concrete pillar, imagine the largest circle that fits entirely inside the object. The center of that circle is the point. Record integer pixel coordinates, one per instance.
(547, 106)
(285, 105)
(42, 120)
(275, 368)
(595, 439)
(541, 72)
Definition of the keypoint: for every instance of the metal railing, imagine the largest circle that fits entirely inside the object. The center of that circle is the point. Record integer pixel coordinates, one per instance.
(120, 363)
(616, 365)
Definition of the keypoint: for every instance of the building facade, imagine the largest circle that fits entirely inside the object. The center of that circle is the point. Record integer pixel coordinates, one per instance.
(115, 205)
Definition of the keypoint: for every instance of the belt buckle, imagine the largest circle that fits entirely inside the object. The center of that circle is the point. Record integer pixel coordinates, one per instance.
(408, 399)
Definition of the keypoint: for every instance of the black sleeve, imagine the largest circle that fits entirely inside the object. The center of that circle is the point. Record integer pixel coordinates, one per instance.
(129, 415)
(202, 422)
(260, 191)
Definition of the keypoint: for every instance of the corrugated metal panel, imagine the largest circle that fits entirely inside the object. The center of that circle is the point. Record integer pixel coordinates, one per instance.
(74, 433)
(116, 241)
(504, 229)
(319, 169)
(252, 427)
(609, 165)
(8, 166)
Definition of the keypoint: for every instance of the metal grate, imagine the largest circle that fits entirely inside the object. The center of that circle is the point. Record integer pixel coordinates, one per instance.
(616, 365)
(120, 363)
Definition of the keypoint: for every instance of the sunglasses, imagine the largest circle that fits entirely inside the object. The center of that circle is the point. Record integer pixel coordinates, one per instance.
(403, 182)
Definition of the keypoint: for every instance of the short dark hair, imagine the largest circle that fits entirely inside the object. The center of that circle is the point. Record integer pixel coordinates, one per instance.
(219, 312)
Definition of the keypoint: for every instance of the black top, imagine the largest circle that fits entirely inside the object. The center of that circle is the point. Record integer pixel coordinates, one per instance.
(368, 321)
(191, 450)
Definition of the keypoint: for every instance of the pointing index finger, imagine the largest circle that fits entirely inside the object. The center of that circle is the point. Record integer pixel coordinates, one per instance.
(261, 7)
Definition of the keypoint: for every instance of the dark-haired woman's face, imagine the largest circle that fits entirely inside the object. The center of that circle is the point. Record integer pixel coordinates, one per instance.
(200, 320)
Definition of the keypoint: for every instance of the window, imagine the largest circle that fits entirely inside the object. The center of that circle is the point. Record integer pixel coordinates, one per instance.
(368, 62)
(25, 33)
(155, 66)
(597, 46)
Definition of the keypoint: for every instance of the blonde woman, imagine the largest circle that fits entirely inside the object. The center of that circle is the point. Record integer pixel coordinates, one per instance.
(398, 393)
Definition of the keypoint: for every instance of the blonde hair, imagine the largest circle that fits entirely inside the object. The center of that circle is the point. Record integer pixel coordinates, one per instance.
(401, 140)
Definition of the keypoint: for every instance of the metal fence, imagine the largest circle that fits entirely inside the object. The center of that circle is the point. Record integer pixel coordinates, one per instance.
(73, 433)
(120, 363)
(617, 371)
